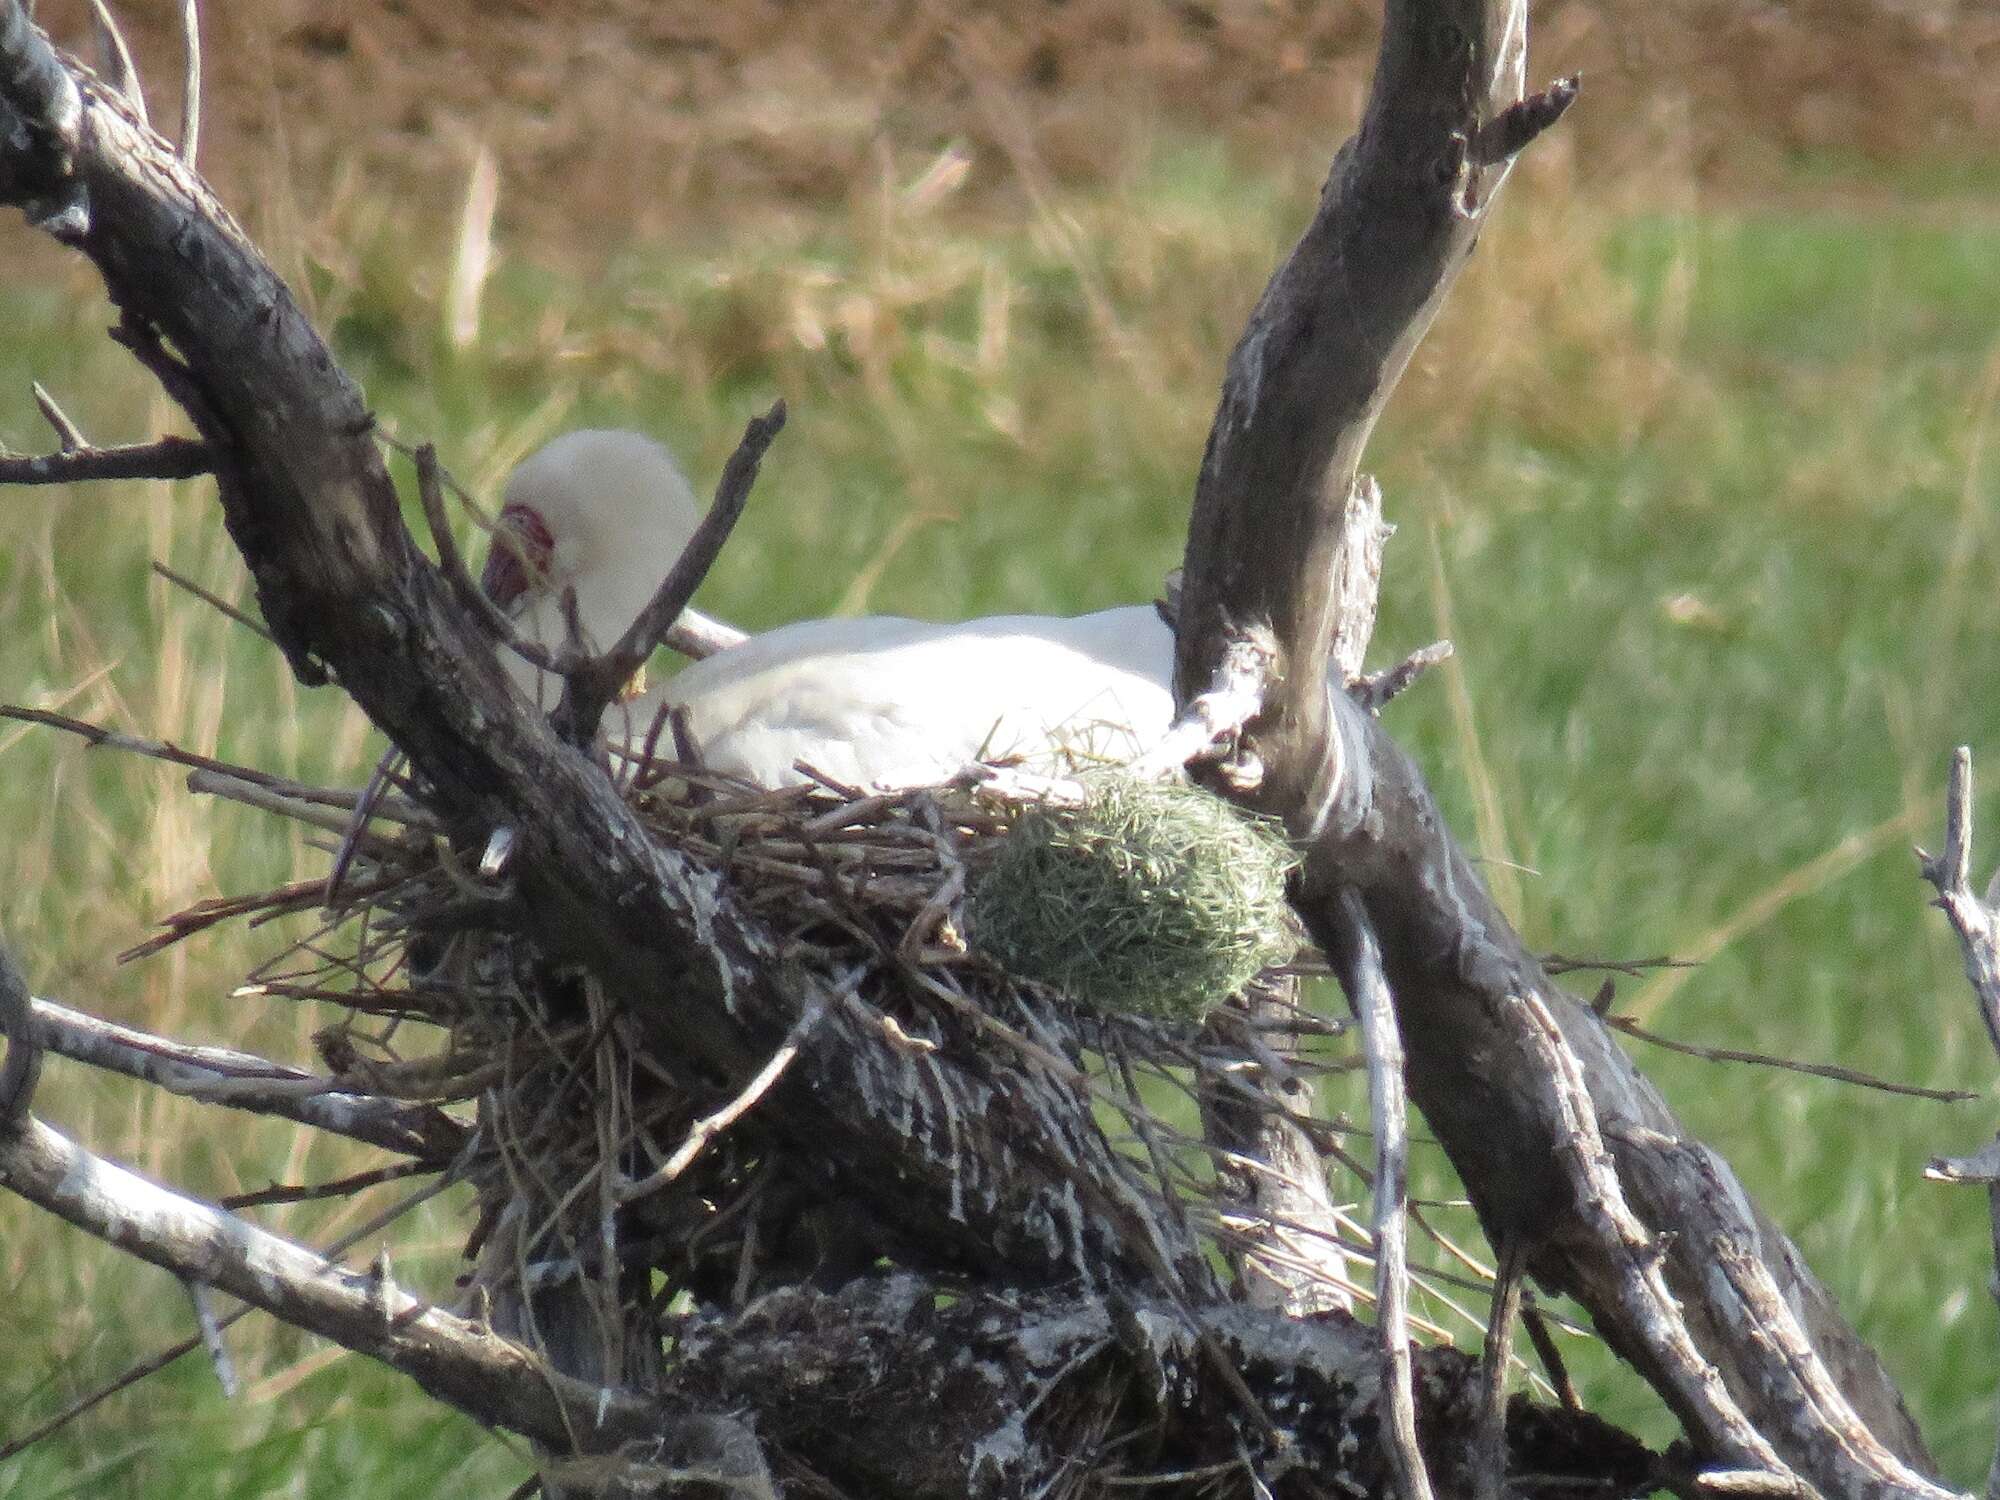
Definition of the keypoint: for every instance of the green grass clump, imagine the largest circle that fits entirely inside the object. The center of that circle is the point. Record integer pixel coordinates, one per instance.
(1145, 899)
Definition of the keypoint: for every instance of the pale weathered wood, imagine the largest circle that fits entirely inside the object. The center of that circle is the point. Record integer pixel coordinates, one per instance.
(199, 1072)
(1383, 1048)
(1459, 974)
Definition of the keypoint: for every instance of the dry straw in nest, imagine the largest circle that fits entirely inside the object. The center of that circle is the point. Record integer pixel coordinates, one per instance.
(1149, 899)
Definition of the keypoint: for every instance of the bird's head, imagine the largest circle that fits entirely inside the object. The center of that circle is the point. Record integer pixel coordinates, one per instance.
(606, 512)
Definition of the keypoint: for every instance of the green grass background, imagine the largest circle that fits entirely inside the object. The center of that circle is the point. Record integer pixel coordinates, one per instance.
(1702, 488)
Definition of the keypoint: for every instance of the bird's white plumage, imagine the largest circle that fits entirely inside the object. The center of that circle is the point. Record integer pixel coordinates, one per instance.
(617, 511)
(881, 701)
(897, 702)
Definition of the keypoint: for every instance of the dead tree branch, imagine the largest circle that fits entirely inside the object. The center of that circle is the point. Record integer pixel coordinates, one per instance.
(1400, 213)
(1977, 923)
(457, 1361)
(199, 1073)
(373, 1225)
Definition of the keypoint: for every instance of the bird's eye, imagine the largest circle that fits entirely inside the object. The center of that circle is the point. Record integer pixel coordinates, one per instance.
(517, 563)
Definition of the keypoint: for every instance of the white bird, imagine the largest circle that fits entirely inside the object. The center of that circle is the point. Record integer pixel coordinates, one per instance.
(602, 511)
(880, 702)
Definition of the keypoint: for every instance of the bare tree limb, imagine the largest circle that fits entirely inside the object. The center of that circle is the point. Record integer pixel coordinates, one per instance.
(155, 1363)
(401, 809)
(1977, 923)
(1374, 691)
(456, 1361)
(1466, 990)
(1399, 214)
(1691, 1384)
(1491, 1471)
(197, 1072)
(451, 562)
(68, 437)
(23, 1031)
(213, 600)
(1831, 1071)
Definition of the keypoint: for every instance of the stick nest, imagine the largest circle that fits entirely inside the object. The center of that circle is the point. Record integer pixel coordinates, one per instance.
(544, 1096)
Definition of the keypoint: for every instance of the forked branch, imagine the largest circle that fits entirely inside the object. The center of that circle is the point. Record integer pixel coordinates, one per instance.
(1329, 338)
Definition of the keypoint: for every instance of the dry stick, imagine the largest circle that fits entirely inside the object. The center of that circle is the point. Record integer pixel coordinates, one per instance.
(451, 562)
(196, 1073)
(1368, 990)
(1490, 1450)
(340, 1187)
(400, 809)
(210, 1333)
(118, 61)
(26, 1040)
(165, 458)
(234, 788)
(591, 689)
(698, 636)
(709, 1126)
(213, 601)
(190, 80)
(1377, 688)
(1977, 924)
(355, 826)
(694, 635)
(1537, 1323)
(1763, 1060)
(69, 437)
